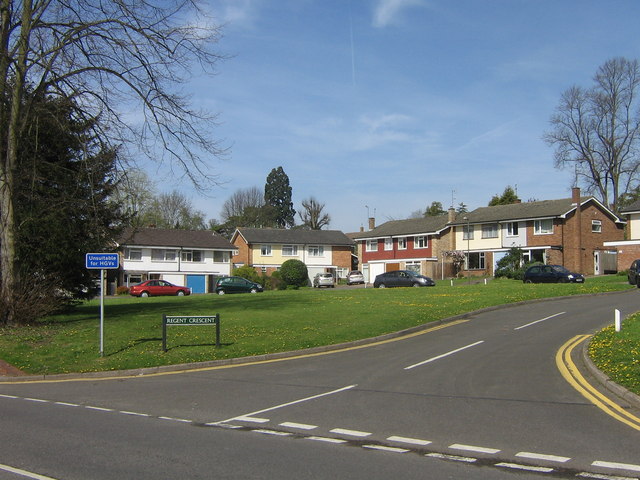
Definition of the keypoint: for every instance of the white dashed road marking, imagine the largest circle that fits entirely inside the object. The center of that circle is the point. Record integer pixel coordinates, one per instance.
(433, 359)
(539, 456)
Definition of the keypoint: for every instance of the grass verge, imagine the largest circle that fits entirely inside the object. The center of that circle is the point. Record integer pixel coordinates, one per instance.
(618, 353)
(269, 322)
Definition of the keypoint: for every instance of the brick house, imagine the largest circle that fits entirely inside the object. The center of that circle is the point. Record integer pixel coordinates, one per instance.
(570, 232)
(415, 244)
(266, 249)
(628, 249)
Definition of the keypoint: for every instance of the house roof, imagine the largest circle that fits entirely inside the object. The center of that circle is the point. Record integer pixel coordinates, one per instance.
(160, 237)
(293, 236)
(633, 208)
(411, 226)
(527, 211)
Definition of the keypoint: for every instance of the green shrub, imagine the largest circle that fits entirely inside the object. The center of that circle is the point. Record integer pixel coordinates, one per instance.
(247, 272)
(294, 273)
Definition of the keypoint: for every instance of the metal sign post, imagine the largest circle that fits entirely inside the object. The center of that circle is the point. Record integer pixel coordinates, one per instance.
(102, 262)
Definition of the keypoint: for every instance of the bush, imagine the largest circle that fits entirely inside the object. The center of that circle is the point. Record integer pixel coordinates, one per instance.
(510, 265)
(247, 272)
(122, 290)
(294, 273)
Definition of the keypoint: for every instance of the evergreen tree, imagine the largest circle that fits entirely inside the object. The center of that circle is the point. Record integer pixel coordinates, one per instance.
(434, 210)
(508, 197)
(277, 194)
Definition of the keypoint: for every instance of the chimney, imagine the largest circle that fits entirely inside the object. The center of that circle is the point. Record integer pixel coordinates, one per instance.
(575, 195)
(372, 223)
(451, 215)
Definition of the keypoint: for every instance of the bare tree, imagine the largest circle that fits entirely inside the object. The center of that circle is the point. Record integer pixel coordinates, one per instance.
(173, 210)
(597, 130)
(120, 62)
(312, 216)
(240, 201)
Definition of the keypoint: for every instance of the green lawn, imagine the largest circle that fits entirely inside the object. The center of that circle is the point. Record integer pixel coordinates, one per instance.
(273, 321)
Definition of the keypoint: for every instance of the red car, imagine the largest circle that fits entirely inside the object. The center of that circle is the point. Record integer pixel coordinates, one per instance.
(157, 287)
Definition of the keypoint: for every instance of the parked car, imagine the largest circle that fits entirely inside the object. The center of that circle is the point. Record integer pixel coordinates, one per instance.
(402, 278)
(157, 287)
(634, 272)
(551, 274)
(236, 285)
(323, 280)
(355, 276)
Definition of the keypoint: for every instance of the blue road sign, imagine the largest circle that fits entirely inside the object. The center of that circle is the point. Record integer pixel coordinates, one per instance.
(102, 260)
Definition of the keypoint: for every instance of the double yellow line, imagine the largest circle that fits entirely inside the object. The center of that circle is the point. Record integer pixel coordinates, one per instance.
(571, 374)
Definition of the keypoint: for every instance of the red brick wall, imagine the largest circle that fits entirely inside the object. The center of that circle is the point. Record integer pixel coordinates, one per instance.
(244, 252)
(341, 257)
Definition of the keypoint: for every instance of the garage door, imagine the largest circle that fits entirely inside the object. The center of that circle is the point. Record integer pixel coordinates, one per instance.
(375, 269)
(196, 283)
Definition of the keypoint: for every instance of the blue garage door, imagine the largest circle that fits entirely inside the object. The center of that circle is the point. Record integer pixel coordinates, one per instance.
(196, 283)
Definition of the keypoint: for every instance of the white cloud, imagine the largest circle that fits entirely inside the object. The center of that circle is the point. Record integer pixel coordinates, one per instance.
(387, 11)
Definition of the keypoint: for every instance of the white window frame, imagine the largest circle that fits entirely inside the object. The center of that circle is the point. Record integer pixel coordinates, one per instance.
(163, 255)
(402, 243)
(512, 229)
(596, 226)
(467, 232)
(388, 243)
(289, 250)
(221, 256)
(482, 264)
(133, 254)
(372, 245)
(191, 256)
(413, 266)
(265, 250)
(539, 227)
(490, 230)
(316, 250)
(421, 241)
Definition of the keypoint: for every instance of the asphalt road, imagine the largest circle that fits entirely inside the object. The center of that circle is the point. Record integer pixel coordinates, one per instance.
(476, 398)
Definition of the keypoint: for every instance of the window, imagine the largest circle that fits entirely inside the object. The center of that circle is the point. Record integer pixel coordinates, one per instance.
(596, 226)
(316, 250)
(290, 250)
(413, 266)
(133, 254)
(543, 227)
(220, 256)
(475, 261)
(372, 245)
(402, 243)
(421, 242)
(192, 256)
(265, 250)
(388, 243)
(467, 232)
(512, 229)
(160, 255)
(490, 230)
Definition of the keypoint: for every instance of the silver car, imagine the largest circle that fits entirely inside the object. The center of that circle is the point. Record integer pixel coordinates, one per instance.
(355, 276)
(323, 280)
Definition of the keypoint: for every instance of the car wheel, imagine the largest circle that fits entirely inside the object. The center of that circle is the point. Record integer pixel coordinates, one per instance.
(221, 292)
(415, 285)
(253, 290)
(528, 281)
(144, 294)
(180, 293)
(382, 285)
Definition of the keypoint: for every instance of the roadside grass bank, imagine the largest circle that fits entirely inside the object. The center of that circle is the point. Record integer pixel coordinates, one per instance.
(617, 354)
(269, 322)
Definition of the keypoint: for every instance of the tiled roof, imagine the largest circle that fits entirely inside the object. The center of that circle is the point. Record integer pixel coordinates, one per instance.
(411, 226)
(523, 211)
(294, 236)
(159, 237)
(634, 207)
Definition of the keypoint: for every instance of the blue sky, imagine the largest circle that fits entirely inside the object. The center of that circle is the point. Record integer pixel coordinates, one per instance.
(394, 104)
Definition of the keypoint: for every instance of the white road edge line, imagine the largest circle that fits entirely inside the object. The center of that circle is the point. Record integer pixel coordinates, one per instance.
(621, 466)
(299, 426)
(290, 403)
(529, 468)
(24, 473)
(540, 456)
(471, 448)
(326, 439)
(541, 320)
(386, 449)
(410, 441)
(600, 476)
(443, 355)
(455, 458)
(352, 433)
